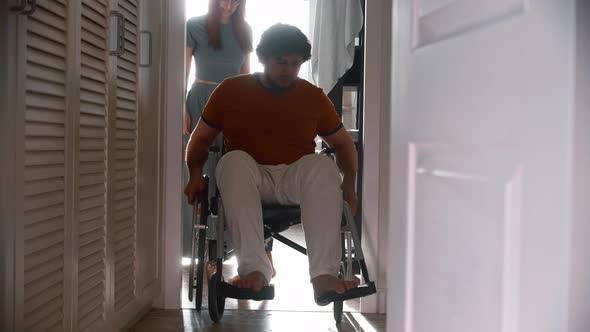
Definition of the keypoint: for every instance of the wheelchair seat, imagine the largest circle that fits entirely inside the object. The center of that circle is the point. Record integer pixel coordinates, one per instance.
(279, 218)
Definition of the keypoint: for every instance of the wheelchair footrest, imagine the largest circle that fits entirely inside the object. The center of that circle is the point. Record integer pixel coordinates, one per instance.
(267, 293)
(360, 291)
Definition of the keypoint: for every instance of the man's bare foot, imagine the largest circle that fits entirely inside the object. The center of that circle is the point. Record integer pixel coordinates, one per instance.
(254, 280)
(326, 283)
(236, 278)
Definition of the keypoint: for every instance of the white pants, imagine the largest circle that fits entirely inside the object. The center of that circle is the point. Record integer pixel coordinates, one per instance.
(313, 182)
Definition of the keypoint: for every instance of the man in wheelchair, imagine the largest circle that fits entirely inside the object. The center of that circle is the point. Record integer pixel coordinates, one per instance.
(269, 122)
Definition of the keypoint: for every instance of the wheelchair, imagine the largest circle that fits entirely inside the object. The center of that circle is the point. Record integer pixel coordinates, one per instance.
(208, 226)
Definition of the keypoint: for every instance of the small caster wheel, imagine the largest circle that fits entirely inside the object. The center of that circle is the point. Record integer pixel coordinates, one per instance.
(216, 300)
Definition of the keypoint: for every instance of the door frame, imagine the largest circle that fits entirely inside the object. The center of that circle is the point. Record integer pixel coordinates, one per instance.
(170, 254)
(12, 43)
(8, 47)
(377, 82)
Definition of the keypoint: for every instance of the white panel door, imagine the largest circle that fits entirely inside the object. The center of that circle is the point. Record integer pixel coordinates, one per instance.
(481, 137)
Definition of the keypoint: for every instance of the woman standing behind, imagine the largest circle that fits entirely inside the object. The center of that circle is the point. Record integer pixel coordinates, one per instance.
(220, 42)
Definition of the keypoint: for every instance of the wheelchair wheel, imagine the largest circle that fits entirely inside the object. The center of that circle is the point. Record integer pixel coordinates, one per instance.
(216, 300)
(201, 238)
(338, 310)
(191, 270)
(200, 268)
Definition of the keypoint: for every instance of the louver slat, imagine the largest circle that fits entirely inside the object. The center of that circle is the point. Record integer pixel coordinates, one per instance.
(88, 261)
(91, 191)
(92, 202)
(98, 7)
(91, 248)
(47, 317)
(91, 306)
(36, 262)
(35, 216)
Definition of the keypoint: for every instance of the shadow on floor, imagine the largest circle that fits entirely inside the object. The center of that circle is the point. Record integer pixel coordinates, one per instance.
(257, 321)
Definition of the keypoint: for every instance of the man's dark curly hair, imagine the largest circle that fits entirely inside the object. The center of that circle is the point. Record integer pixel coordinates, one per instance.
(283, 39)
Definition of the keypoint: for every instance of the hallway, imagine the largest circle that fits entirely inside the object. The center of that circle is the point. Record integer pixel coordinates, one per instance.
(476, 141)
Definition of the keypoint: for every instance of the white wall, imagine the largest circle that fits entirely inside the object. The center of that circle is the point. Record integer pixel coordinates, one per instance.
(376, 148)
(173, 85)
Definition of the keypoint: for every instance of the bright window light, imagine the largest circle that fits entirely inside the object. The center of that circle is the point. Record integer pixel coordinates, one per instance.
(231, 261)
(187, 261)
(261, 14)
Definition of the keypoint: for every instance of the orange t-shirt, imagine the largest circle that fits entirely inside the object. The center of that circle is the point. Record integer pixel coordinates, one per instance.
(273, 128)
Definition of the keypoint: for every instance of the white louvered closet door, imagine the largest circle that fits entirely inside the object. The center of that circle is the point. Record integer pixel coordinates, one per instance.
(123, 174)
(92, 165)
(44, 202)
(74, 238)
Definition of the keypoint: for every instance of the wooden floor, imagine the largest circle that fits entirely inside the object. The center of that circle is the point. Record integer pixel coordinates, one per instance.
(293, 308)
(257, 321)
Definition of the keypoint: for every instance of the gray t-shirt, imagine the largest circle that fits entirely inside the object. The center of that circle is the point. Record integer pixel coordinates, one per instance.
(213, 65)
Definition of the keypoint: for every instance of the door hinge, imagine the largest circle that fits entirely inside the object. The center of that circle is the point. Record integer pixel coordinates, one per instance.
(21, 8)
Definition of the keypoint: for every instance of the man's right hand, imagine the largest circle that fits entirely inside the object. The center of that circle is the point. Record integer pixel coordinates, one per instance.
(194, 188)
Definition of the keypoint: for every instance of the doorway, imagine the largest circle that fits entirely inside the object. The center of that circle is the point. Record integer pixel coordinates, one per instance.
(291, 266)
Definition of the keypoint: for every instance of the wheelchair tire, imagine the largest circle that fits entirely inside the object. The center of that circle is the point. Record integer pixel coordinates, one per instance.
(339, 305)
(191, 271)
(216, 300)
(200, 268)
(338, 310)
